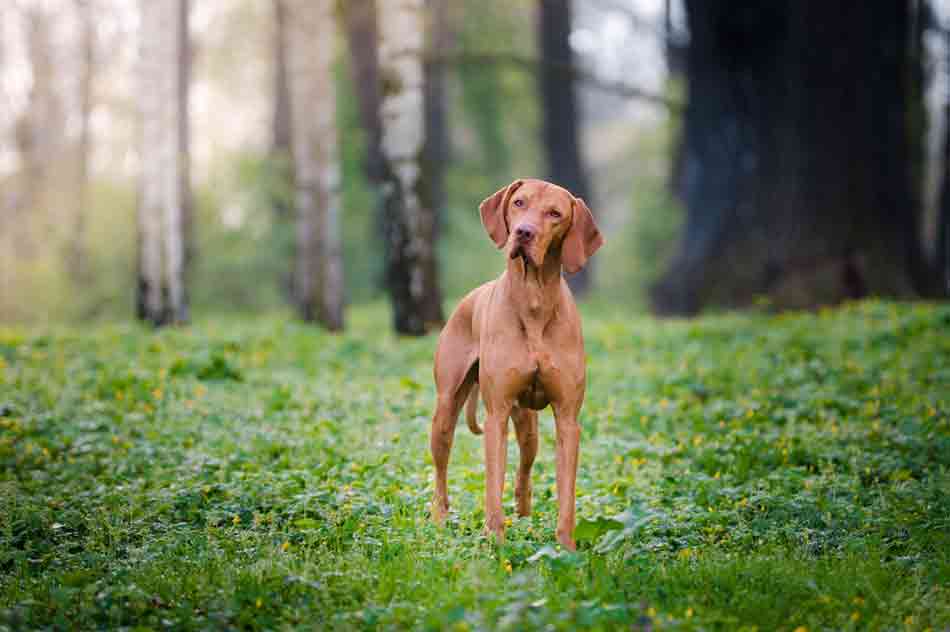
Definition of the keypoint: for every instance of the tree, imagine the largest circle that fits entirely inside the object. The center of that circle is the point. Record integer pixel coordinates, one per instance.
(362, 36)
(560, 130)
(437, 148)
(797, 173)
(318, 272)
(87, 60)
(942, 258)
(164, 203)
(409, 215)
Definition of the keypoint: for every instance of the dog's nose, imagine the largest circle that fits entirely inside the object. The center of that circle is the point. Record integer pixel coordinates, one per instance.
(524, 233)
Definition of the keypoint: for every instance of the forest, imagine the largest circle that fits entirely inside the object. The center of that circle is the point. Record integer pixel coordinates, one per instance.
(232, 230)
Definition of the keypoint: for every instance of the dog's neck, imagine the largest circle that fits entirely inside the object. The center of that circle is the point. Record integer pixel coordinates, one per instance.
(535, 290)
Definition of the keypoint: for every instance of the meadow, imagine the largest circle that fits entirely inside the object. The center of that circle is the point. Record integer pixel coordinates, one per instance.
(770, 472)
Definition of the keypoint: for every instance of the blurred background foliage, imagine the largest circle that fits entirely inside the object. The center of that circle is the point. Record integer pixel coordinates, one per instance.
(243, 249)
(243, 243)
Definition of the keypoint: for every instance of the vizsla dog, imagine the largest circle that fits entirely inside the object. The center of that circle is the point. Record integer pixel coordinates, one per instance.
(518, 340)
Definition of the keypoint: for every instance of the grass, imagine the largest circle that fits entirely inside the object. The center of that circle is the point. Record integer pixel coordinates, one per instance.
(737, 472)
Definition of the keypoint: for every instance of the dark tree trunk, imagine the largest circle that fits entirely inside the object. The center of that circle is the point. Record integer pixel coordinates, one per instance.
(362, 37)
(798, 176)
(942, 258)
(560, 133)
(437, 150)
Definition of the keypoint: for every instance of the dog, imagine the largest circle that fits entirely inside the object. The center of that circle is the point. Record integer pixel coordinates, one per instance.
(517, 341)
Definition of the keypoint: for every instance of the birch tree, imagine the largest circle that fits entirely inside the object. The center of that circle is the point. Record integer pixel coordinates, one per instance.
(412, 273)
(318, 276)
(164, 202)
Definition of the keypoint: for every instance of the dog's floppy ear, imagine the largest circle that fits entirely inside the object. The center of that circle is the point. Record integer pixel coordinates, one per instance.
(493, 213)
(582, 240)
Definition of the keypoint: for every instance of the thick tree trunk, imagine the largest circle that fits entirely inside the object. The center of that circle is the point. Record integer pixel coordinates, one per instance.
(942, 259)
(560, 112)
(165, 197)
(319, 258)
(412, 278)
(797, 177)
(942, 253)
(362, 36)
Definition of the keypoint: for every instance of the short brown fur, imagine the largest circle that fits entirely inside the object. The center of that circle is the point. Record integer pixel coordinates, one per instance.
(517, 341)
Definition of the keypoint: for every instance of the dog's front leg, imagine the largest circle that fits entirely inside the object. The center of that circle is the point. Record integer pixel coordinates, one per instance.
(568, 445)
(496, 460)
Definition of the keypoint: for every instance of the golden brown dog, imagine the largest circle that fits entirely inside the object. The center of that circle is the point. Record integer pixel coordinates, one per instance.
(519, 338)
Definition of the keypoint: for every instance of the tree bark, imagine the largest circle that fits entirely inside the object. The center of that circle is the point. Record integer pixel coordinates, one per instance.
(319, 257)
(412, 272)
(362, 36)
(282, 118)
(560, 133)
(165, 193)
(39, 132)
(797, 179)
(942, 253)
(437, 149)
(87, 58)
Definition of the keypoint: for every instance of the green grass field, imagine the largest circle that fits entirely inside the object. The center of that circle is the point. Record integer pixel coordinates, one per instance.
(753, 472)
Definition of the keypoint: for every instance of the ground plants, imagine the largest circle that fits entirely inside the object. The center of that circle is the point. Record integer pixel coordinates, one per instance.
(738, 472)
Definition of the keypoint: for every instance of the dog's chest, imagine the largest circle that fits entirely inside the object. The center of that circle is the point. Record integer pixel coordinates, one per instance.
(538, 369)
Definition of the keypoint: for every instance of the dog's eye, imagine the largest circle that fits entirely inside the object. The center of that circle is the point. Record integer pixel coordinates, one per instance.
(554, 214)
(519, 202)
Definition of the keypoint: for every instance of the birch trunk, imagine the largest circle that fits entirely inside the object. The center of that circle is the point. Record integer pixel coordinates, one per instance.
(319, 257)
(412, 273)
(164, 195)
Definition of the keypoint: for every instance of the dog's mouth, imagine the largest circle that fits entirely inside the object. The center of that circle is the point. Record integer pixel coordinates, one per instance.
(519, 250)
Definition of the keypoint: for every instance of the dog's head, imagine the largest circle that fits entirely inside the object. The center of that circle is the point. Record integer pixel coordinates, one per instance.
(533, 219)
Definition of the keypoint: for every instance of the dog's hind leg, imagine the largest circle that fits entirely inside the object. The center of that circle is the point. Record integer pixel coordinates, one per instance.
(456, 361)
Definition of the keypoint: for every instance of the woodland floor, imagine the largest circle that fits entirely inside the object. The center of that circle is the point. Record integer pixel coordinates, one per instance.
(770, 472)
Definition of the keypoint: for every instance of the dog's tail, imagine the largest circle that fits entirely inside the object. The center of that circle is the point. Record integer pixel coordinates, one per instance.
(471, 408)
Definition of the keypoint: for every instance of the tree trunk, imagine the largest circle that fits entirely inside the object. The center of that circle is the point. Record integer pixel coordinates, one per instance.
(437, 149)
(87, 57)
(560, 113)
(412, 272)
(797, 178)
(942, 254)
(319, 257)
(165, 197)
(282, 118)
(38, 135)
(362, 38)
